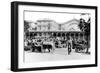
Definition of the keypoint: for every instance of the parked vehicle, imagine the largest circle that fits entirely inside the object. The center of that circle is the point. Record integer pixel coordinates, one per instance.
(79, 45)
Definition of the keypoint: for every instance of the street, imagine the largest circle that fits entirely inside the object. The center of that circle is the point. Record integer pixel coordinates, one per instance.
(58, 55)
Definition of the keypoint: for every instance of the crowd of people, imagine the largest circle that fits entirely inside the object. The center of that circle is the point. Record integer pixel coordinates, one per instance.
(49, 44)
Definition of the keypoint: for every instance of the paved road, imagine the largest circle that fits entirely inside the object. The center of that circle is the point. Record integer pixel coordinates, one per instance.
(58, 54)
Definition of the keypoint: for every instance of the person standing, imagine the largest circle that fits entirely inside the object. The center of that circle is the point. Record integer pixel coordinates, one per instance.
(69, 46)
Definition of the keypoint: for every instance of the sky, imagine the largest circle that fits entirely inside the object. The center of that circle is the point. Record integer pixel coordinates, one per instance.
(58, 17)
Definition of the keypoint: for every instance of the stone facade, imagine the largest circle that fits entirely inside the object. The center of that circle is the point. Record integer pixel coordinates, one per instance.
(51, 25)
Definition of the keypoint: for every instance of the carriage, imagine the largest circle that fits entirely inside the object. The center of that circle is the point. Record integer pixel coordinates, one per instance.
(43, 47)
(79, 46)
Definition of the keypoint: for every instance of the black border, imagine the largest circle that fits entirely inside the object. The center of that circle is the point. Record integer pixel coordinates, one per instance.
(14, 35)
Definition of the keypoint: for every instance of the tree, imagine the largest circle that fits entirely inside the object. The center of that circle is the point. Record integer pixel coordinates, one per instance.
(85, 27)
(81, 24)
(26, 26)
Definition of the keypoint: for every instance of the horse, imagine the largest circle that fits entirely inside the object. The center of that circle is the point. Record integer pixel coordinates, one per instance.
(36, 48)
(47, 46)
